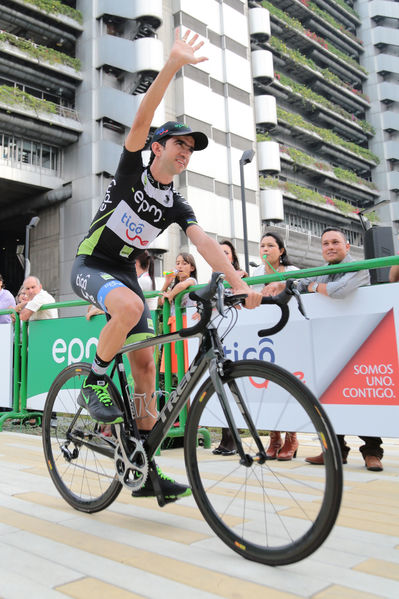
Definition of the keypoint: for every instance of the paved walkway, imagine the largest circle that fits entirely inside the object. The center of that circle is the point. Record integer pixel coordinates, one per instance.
(135, 550)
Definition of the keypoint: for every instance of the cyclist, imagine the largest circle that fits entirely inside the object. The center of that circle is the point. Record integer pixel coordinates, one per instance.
(139, 204)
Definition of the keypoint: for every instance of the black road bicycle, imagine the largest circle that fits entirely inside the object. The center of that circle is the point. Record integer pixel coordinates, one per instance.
(269, 511)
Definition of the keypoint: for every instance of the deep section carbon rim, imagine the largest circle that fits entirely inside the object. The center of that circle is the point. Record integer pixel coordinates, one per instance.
(276, 512)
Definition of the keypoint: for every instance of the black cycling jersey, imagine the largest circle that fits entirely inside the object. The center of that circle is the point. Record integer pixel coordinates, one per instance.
(136, 209)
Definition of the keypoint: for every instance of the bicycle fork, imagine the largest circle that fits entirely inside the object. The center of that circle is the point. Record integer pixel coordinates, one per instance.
(216, 372)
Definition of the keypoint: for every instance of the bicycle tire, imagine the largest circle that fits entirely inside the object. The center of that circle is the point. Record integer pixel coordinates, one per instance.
(79, 459)
(274, 513)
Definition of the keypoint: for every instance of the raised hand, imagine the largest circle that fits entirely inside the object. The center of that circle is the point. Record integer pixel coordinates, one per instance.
(184, 49)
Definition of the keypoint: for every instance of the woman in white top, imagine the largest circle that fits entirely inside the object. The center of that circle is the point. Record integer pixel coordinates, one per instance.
(275, 259)
(227, 446)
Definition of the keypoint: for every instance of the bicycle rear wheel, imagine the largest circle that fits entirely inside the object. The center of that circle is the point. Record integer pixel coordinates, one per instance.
(79, 454)
(275, 512)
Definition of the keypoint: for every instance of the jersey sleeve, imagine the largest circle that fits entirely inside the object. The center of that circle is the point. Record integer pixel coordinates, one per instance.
(129, 162)
(185, 216)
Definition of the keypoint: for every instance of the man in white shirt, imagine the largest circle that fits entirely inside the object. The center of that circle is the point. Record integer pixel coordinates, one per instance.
(37, 297)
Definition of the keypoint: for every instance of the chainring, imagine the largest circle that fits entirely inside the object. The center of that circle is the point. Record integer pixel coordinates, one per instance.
(132, 466)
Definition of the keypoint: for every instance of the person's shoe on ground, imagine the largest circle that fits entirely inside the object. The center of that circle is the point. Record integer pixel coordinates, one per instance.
(318, 460)
(275, 445)
(373, 463)
(226, 445)
(98, 402)
(289, 449)
(223, 451)
(171, 490)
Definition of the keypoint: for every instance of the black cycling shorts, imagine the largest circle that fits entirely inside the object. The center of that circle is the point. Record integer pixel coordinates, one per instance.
(92, 280)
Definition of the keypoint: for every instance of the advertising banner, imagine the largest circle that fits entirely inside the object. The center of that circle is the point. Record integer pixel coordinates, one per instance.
(53, 345)
(57, 343)
(6, 370)
(346, 353)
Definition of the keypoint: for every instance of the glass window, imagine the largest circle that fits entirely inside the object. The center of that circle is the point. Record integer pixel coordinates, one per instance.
(46, 156)
(27, 152)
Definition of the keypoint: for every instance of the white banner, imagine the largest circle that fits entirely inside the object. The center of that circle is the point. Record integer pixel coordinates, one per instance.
(346, 353)
(6, 371)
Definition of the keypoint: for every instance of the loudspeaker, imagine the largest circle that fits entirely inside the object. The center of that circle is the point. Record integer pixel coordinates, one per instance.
(378, 243)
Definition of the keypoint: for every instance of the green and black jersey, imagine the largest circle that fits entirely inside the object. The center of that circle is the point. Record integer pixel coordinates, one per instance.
(136, 209)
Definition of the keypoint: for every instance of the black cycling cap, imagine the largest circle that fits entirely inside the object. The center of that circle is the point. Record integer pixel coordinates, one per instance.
(174, 128)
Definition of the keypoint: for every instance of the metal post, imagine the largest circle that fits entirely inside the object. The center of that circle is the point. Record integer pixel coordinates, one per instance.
(245, 159)
(34, 221)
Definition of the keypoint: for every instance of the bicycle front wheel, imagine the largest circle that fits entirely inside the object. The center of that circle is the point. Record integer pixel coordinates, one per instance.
(273, 512)
(79, 452)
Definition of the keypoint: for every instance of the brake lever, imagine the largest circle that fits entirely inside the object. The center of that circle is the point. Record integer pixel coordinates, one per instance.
(220, 297)
(298, 298)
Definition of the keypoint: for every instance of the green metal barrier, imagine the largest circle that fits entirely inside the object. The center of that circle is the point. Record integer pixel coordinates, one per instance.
(19, 408)
(14, 413)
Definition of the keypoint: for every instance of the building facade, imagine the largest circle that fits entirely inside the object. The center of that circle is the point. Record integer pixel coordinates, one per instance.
(285, 78)
(379, 26)
(316, 165)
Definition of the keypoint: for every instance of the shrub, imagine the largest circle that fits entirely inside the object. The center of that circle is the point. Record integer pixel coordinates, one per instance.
(40, 52)
(56, 7)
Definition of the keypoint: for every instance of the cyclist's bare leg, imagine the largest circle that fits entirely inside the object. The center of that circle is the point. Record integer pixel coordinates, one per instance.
(125, 308)
(143, 371)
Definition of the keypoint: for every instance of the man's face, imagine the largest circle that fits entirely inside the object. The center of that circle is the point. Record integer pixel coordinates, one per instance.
(31, 287)
(177, 153)
(334, 247)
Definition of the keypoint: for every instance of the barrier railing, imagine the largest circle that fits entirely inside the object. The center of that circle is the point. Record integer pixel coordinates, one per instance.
(20, 351)
(14, 413)
(263, 279)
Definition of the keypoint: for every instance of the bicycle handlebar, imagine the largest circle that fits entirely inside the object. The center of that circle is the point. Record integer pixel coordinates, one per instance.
(204, 295)
(282, 303)
(215, 287)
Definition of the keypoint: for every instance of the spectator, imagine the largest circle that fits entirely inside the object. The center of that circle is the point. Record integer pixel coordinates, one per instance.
(394, 273)
(231, 254)
(184, 276)
(275, 259)
(335, 250)
(93, 311)
(145, 276)
(7, 301)
(274, 255)
(226, 446)
(29, 309)
(21, 295)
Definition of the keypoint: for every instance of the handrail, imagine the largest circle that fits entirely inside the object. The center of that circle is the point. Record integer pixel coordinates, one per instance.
(369, 264)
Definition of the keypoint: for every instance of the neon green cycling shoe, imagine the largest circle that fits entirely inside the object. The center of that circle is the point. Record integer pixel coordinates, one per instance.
(171, 490)
(98, 402)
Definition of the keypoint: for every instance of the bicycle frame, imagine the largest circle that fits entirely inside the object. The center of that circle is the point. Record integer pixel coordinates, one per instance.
(210, 353)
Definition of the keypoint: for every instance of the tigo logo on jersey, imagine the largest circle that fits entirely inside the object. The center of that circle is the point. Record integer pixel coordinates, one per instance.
(133, 230)
(129, 227)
